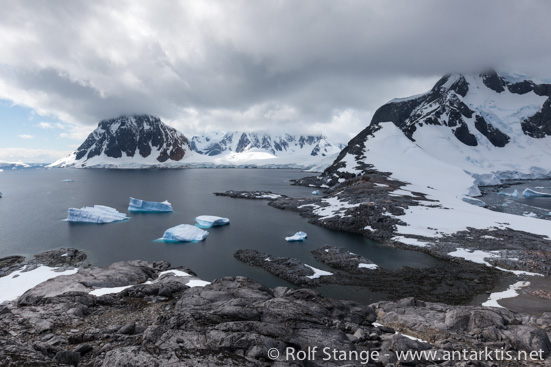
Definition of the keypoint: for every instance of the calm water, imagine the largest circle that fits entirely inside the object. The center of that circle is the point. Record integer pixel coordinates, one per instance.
(540, 206)
(35, 202)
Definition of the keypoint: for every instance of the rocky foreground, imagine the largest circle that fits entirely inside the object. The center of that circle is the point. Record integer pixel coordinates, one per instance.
(167, 317)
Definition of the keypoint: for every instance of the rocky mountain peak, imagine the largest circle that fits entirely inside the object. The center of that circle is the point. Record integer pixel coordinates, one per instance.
(129, 137)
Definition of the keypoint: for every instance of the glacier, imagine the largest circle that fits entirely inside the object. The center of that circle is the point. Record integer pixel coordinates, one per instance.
(529, 193)
(137, 205)
(184, 233)
(96, 214)
(299, 236)
(208, 221)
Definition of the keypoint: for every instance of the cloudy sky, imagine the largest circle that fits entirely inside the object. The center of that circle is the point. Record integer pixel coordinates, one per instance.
(305, 66)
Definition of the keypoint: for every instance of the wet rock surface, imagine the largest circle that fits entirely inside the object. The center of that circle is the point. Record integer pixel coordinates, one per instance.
(457, 283)
(342, 259)
(235, 322)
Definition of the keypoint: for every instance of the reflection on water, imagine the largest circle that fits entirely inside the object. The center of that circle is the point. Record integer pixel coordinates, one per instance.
(36, 201)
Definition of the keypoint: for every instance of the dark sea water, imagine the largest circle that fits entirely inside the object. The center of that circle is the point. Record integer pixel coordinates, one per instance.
(35, 202)
(520, 205)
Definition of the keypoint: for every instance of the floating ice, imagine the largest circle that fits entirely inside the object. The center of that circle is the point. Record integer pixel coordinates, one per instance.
(474, 201)
(512, 194)
(68, 180)
(529, 193)
(315, 192)
(95, 214)
(299, 236)
(137, 205)
(184, 233)
(208, 221)
(531, 214)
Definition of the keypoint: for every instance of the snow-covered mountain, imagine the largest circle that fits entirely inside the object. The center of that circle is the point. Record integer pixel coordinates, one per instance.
(466, 131)
(137, 141)
(490, 125)
(262, 149)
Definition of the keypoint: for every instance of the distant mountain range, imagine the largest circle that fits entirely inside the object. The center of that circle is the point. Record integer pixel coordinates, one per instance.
(144, 141)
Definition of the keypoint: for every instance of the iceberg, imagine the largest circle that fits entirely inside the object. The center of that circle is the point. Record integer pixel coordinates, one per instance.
(68, 180)
(184, 233)
(299, 236)
(95, 214)
(315, 192)
(529, 193)
(474, 201)
(513, 194)
(530, 215)
(208, 221)
(137, 205)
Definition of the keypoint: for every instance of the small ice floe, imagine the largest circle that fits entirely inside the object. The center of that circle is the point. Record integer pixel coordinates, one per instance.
(68, 180)
(96, 214)
(529, 193)
(299, 236)
(315, 192)
(208, 221)
(530, 215)
(368, 266)
(317, 272)
(513, 194)
(474, 201)
(184, 233)
(137, 205)
(509, 293)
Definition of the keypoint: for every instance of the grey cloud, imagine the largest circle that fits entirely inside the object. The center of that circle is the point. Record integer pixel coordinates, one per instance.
(191, 62)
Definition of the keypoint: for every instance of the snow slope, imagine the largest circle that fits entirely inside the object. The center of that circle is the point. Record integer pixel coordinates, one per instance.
(417, 141)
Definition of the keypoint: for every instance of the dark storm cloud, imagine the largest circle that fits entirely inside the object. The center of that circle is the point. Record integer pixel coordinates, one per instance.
(252, 64)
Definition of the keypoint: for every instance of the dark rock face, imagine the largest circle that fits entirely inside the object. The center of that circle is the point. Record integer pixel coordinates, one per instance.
(235, 322)
(539, 125)
(126, 136)
(479, 327)
(495, 136)
(342, 259)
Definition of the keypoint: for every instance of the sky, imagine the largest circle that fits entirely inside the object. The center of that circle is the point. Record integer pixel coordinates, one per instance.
(317, 67)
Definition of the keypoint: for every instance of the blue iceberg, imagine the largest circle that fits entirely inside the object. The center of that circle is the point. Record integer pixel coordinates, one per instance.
(315, 192)
(299, 236)
(184, 233)
(474, 201)
(514, 194)
(208, 221)
(529, 193)
(137, 205)
(96, 214)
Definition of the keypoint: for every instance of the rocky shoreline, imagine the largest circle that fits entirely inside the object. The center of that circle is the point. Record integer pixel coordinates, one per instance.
(162, 318)
(457, 284)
